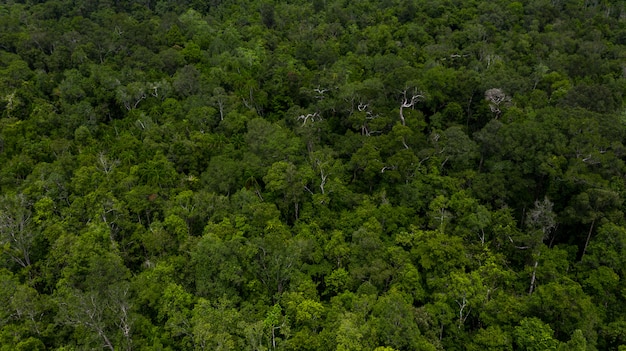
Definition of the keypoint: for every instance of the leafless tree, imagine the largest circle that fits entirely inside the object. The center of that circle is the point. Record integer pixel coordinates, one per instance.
(15, 228)
(409, 102)
(131, 95)
(160, 89)
(219, 100)
(105, 164)
(542, 219)
(497, 99)
(100, 312)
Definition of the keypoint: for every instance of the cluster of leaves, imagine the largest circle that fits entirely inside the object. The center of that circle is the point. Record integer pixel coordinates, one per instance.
(312, 175)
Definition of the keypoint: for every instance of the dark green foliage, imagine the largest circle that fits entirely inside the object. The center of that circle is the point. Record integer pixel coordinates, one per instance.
(312, 175)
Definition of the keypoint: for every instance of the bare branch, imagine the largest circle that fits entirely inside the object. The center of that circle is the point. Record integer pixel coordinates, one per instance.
(496, 98)
(391, 168)
(409, 102)
(320, 92)
(106, 165)
(307, 117)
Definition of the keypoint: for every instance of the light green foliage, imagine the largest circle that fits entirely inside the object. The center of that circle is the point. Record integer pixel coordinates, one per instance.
(491, 338)
(463, 292)
(533, 334)
(175, 309)
(275, 325)
(566, 307)
(384, 348)
(576, 343)
(337, 281)
(349, 334)
(609, 248)
(438, 253)
(214, 327)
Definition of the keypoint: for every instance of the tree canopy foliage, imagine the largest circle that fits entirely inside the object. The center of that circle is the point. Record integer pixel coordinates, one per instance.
(312, 175)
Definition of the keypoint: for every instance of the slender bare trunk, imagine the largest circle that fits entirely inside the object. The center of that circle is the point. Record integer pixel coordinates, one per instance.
(534, 276)
(588, 238)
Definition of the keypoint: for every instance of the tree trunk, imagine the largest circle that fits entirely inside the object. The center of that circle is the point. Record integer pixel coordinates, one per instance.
(587, 241)
(533, 277)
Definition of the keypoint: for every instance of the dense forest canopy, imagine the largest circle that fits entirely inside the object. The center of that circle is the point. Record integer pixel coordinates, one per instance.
(312, 175)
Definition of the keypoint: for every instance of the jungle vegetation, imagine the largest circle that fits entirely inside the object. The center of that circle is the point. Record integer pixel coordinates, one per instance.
(312, 175)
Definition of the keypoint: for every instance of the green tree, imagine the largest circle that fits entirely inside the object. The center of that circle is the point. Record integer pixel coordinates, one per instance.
(284, 178)
(591, 206)
(533, 334)
(24, 316)
(277, 257)
(576, 343)
(216, 258)
(566, 307)
(93, 293)
(275, 324)
(395, 323)
(215, 326)
(491, 338)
